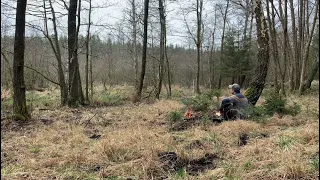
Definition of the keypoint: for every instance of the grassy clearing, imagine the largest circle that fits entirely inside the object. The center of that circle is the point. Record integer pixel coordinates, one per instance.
(133, 135)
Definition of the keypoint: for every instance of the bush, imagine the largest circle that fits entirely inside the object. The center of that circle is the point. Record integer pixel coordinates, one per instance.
(175, 116)
(199, 103)
(255, 111)
(293, 110)
(274, 103)
(217, 93)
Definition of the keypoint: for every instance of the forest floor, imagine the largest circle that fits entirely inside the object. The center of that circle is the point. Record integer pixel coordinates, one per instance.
(116, 139)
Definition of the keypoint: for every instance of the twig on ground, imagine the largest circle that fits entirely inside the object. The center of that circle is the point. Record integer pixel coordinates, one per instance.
(90, 119)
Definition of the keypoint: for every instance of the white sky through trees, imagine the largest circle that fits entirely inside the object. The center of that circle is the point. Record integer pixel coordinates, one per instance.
(112, 15)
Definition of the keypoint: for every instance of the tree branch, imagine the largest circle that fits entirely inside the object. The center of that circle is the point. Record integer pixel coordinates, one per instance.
(42, 75)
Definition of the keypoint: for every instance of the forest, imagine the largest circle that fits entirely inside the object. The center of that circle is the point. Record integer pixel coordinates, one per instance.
(100, 89)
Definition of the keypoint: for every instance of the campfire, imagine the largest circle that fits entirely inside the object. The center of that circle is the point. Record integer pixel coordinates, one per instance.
(188, 114)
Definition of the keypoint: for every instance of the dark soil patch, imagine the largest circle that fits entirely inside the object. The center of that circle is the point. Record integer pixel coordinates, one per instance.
(172, 163)
(18, 126)
(243, 139)
(200, 165)
(196, 145)
(95, 136)
(184, 124)
(157, 123)
(46, 121)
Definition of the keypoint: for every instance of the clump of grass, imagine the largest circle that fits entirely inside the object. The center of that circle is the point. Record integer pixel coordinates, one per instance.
(175, 116)
(285, 142)
(35, 149)
(314, 163)
(69, 171)
(180, 174)
(247, 165)
(217, 145)
(11, 169)
(110, 99)
(230, 170)
(118, 152)
(7, 103)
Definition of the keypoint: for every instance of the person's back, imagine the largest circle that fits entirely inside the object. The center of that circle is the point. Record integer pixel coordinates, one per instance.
(235, 105)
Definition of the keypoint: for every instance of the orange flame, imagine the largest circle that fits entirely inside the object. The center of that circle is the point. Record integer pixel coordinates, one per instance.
(188, 113)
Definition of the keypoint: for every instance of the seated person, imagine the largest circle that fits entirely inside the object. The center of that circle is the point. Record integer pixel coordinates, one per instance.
(233, 107)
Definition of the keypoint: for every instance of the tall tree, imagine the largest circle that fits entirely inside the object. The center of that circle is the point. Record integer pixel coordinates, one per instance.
(19, 89)
(162, 47)
(199, 41)
(257, 84)
(75, 89)
(222, 41)
(211, 60)
(144, 50)
(134, 44)
(54, 43)
(305, 53)
(294, 67)
(88, 51)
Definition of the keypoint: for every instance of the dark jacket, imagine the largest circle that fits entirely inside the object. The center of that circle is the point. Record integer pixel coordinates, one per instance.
(237, 101)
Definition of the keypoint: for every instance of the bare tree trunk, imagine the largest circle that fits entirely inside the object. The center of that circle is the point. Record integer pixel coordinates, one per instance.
(76, 95)
(91, 79)
(211, 64)
(312, 74)
(134, 36)
(282, 72)
(306, 52)
(19, 90)
(242, 77)
(222, 42)
(144, 50)
(295, 61)
(274, 50)
(162, 48)
(154, 69)
(168, 67)
(212, 86)
(300, 44)
(87, 53)
(199, 42)
(256, 86)
(56, 48)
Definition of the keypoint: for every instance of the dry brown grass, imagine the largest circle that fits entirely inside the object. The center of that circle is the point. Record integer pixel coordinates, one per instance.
(133, 134)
